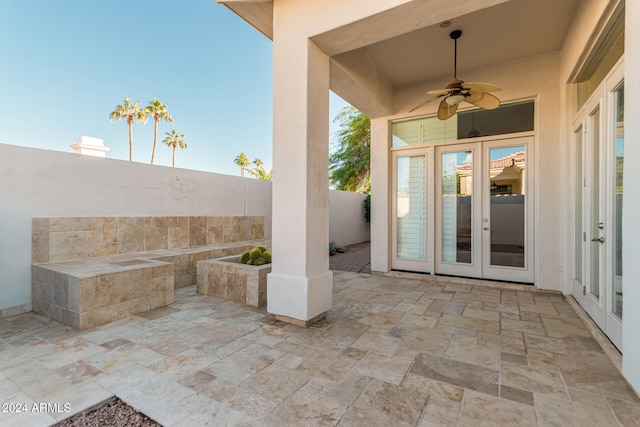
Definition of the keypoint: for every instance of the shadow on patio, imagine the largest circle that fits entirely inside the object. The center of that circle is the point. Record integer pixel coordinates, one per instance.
(392, 351)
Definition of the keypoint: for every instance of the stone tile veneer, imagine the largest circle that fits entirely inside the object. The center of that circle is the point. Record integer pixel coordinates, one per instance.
(73, 238)
(73, 294)
(227, 278)
(89, 271)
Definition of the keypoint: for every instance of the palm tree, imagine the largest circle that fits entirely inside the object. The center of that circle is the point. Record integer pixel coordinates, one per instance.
(243, 162)
(158, 111)
(130, 112)
(259, 172)
(174, 140)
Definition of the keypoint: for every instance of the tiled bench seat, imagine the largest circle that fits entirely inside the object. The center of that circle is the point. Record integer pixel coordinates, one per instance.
(88, 293)
(92, 290)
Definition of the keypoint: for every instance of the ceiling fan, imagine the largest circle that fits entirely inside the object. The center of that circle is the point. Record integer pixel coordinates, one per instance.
(475, 93)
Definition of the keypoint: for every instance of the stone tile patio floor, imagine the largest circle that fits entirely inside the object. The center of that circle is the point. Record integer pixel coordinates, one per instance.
(392, 352)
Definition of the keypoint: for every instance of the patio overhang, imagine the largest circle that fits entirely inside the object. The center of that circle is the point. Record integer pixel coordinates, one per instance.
(257, 13)
(384, 63)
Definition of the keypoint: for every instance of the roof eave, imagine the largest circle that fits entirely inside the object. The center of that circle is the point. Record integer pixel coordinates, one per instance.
(257, 13)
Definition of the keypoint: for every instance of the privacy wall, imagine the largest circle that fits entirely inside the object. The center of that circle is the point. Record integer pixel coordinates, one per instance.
(42, 183)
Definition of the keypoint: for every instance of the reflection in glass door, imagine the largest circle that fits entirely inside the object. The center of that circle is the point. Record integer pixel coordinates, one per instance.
(596, 216)
(484, 210)
(457, 223)
(618, 168)
(410, 251)
(507, 206)
(508, 210)
(457, 198)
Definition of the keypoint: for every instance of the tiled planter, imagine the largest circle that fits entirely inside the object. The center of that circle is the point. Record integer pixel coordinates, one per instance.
(229, 279)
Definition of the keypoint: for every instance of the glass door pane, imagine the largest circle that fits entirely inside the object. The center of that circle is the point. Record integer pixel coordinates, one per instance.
(618, 168)
(507, 206)
(456, 202)
(579, 186)
(411, 208)
(508, 210)
(596, 225)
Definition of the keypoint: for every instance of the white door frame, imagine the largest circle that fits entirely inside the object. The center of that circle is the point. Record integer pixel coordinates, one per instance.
(599, 307)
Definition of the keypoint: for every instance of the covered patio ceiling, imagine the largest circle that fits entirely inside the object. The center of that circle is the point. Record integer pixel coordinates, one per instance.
(374, 58)
(505, 32)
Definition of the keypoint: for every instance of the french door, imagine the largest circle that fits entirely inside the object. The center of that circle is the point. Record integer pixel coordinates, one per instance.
(484, 210)
(465, 209)
(598, 146)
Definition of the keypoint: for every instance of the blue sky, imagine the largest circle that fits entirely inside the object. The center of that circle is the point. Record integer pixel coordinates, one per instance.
(67, 64)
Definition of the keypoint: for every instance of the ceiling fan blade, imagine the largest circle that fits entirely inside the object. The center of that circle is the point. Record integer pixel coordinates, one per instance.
(445, 111)
(483, 100)
(425, 102)
(438, 91)
(481, 87)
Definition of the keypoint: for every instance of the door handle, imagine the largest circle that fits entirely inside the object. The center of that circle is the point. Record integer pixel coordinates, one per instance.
(598, 239)
(485, 228)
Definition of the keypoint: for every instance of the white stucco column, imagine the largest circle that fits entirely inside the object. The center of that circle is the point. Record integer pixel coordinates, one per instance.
(300, 285)
(380, 202)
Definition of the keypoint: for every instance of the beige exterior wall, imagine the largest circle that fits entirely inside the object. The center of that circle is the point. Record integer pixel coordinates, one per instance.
(42, 183)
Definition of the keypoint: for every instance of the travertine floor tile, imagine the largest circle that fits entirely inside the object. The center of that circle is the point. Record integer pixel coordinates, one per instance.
(29, 419)
(148, 391)
(594, 372)
(390, 352)
(431, 387)
(327, 364)
(241, 365)
(558, 412)
(172, 407)
(532, 379)
(426, 340)
(205, 412)
(277, 382)
(183, 364)
(479, 409)
(349, 388)
(446, 307)
(375, 342)
(386, 404)
(465, 349)
(307, 409)
(457, 373)
(251, 404)
(389, 369)
(628, 413)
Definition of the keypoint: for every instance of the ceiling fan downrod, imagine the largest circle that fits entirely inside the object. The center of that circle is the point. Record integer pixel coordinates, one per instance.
(455, 35)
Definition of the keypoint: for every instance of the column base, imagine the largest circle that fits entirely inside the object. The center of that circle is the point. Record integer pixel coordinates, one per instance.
(301, 323)
(298, 300)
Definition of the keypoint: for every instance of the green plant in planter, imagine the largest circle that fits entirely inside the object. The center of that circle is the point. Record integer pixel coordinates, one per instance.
(256, 256)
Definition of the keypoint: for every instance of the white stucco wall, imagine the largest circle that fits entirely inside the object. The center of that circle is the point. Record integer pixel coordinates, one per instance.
(631, 209)
(42, 183)
(536, 78)
(346, 218)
